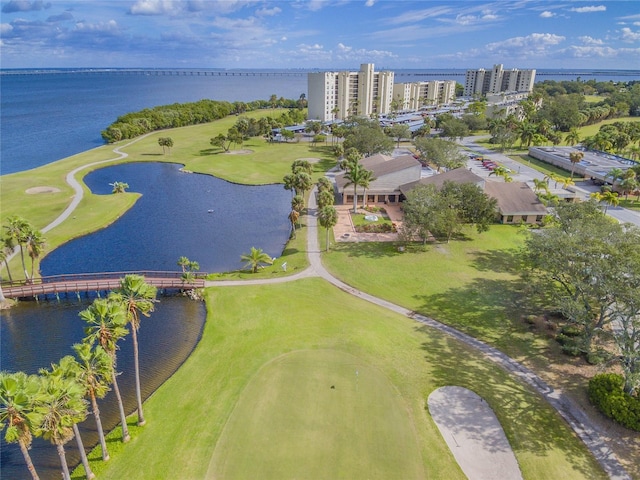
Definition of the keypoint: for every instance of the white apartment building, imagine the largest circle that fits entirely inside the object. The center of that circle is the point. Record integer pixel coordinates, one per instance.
(336, 95)
(497, 80)
(414, 96)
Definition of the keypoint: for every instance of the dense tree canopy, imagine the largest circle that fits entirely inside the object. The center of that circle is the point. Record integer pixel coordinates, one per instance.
(589, 268)
(439, 152)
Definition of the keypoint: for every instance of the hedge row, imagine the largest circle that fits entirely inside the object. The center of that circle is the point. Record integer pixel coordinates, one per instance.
(607, 394)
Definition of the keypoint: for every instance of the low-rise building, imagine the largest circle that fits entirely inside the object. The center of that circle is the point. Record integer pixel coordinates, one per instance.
(517, 203)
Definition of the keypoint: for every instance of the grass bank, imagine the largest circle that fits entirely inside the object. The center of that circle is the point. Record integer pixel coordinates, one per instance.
(190, 417)
(266, 163)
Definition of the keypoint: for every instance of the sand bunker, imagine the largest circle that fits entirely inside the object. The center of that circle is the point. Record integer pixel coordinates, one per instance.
(310, 159)
(474, 434)
(239, 152)
(36, 190)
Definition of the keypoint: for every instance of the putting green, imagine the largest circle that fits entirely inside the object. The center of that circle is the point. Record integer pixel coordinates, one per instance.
(318, 414)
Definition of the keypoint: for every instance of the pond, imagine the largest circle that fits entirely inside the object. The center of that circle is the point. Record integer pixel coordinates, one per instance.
(171, 219)
(202, 217)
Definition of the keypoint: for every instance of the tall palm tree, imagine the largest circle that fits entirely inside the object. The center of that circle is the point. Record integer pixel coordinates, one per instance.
(355, 175)
(365, 181)
(16, 229)
(294, 215)
(611, 199)
(328, 218)
(137, 298)
(35, 243)
(94, 371)
(256, 258)
(574, 158)
(297, 203)
(6, 247)
(21, 411)
(540, 185)
(325, 198)
(107, 325)
(68, 369)
(64, 406)
(119, 187)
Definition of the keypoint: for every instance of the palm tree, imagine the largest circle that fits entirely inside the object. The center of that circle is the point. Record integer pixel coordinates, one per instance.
(7, 246)
(94, 372)
(540, 185)
(64, 406)
(365, 180)
(567, 182)
(611, 199)
(21, 411)
(501, 171)
(294, 215)
(289, 181)
(35, 243)
(554, 177)
(574, 158)
(325, 198)
(355, 175)
(183, 262)
(16, 229)
(297, 203)
(328, 218)
(137, 298)
(628, 184)
(107, 325)
(119, 187)
(573, 137)
(615, 174)
(256, 258)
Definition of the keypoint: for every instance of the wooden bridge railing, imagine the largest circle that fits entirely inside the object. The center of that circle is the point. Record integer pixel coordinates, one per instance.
(87, 282)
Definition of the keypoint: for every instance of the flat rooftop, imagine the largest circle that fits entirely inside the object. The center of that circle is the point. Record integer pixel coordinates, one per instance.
(594, 164)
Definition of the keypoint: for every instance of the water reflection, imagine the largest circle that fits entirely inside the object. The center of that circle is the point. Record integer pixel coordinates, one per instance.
(173, 219)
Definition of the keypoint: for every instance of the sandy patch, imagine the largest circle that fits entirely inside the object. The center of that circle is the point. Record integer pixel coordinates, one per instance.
(36, 190)
(239, 152)
(474, 434)
(310, 159)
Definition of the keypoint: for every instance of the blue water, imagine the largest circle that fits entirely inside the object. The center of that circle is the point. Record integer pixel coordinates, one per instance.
(172, 219)
(48, 116)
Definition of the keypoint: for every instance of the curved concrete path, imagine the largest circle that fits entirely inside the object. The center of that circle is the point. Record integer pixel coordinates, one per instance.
(573, 415)
(576, 418)
(474, 434)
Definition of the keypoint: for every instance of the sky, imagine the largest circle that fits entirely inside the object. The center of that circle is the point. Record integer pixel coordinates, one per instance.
(323, 34)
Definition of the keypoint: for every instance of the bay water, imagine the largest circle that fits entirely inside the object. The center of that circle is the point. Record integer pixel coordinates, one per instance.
(49, 115)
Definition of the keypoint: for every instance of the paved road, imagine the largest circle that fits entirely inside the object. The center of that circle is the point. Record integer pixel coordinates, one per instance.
(576, 418)
(524, 173)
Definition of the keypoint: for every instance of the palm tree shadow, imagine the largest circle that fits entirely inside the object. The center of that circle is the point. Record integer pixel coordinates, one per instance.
(207, 152)
(530, 426)
(509, 261)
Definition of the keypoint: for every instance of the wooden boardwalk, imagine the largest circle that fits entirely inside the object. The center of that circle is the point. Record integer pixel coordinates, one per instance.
(95, 282)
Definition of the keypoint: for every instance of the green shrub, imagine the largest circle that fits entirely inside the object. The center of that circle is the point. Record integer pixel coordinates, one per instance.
(598, 357)
(570, 345)
(607, 395)
(571, 330)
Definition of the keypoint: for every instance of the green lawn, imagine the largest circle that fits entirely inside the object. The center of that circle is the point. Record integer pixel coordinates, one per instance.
(267, 163)
(309, 406)
(265, 349)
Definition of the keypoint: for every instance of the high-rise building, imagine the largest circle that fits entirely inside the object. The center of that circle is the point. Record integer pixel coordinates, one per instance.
(336, 95)
(413, 96)
(497, 80)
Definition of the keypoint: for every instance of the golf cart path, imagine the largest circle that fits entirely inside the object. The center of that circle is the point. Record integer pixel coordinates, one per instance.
(572, 414)
(576, 418)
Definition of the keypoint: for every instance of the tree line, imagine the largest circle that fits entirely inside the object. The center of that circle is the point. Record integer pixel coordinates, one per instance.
(134, 124)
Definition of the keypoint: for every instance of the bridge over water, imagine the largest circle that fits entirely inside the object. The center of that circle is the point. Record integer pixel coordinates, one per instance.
(95, 282)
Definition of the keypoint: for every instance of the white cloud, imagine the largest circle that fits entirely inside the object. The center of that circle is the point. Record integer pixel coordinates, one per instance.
(345, 52)
(369, 3)
(414, 16)
(591, 9)
(547, 14)
(5, 28)
(578, 51)
(590, 40)
(535, 39)
(268, 12)
(152, 7)
(630, 36)
(103, 27)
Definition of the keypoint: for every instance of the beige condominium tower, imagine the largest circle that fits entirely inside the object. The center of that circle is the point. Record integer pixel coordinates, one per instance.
(337, 95)
(497, 80)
